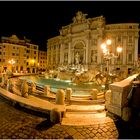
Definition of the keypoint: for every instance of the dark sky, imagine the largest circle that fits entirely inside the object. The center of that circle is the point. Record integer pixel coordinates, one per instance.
(41, 20)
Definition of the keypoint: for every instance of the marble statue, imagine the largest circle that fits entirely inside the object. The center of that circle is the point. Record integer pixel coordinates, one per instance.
(77, 58)
(79, 18)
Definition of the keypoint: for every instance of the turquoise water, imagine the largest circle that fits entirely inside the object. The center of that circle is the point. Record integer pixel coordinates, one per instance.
(82, 88)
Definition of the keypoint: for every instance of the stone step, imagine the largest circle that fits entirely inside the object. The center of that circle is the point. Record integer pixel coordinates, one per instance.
(85, 114)
(86, 96)
(85, 108)
(86, 102)
(76, 119)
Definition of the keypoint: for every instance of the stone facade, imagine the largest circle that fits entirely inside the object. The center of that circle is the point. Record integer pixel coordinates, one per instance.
(81, 40)
(42, 60)
(23, 53)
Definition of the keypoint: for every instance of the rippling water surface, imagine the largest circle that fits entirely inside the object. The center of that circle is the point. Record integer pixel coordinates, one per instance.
(82, 88)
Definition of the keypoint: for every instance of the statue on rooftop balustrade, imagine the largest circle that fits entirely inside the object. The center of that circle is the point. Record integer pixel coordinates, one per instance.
(79, 18)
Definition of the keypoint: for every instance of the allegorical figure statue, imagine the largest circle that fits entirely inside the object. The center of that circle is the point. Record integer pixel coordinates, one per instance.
(79, 18)
(77, 58)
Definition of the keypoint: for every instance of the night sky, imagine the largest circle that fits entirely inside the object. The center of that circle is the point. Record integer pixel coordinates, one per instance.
(41, 20)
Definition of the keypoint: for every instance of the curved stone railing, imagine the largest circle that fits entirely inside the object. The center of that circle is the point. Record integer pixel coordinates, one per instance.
(116, 97)
(19, 91)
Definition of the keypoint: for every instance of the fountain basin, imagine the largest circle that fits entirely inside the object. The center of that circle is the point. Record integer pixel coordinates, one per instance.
(55, 84)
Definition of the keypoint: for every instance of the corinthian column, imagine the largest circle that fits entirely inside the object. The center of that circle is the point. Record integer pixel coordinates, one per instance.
(69, 53)
(61, 54)
(99, 51)
(136, 50)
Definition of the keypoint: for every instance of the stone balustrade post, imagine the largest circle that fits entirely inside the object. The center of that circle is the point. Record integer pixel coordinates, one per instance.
(47, 89)
(24, 89)
(10, 85)
(94, 94)
(68, 94)
(60, 97)
(4, 79)
(108, 97)
(33, 87)
(55, 116)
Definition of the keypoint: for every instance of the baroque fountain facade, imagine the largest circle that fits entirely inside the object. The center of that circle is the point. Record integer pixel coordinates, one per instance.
(76, 58)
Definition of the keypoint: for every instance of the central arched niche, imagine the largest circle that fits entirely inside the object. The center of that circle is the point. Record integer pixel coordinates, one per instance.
(79, 53)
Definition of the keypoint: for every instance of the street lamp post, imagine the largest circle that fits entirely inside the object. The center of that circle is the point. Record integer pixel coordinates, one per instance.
(108, 55)
(12, 62)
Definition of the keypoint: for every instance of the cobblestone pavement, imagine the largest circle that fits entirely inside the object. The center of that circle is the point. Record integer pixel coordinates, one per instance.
(18, 123)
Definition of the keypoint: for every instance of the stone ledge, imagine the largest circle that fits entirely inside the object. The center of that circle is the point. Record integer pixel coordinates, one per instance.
(31, 102)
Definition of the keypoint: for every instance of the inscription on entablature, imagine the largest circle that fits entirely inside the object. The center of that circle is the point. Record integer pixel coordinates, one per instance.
(94, 25)
(79, 28)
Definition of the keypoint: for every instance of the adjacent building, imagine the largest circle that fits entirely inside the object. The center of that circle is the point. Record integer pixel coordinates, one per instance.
(18, 55)
(42, 60)
(79, 43)
(32, 57)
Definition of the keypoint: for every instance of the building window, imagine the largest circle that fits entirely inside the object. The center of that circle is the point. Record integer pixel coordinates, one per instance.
(16, 67)
(28, 51)
(13, 54)
(34, 52)
(94, 56)
(0, 53)
(130, 39)
(130, 57)
(34, 57)
(27, 57)
(119, 39)
(94, 42)
(27, 63)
